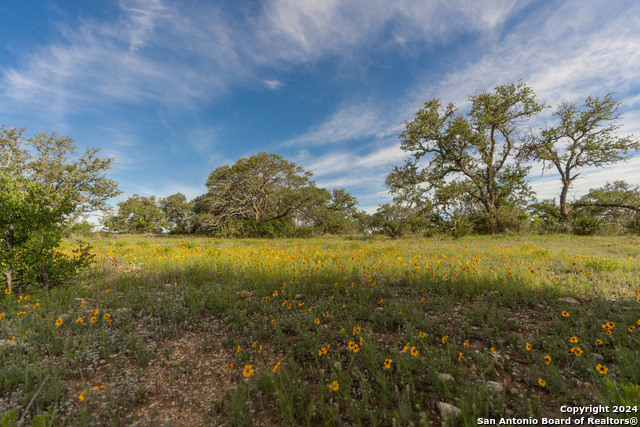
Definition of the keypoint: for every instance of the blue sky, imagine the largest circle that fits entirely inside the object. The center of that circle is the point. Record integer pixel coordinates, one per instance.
(174, 89)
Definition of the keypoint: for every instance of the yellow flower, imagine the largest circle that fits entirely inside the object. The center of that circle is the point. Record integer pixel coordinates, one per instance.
(20, 313)
(414, 352)
(387, 363)
(356, 330)
(317, 321)
(460, 357)
(542, 382)
(25, 334)
(94, 312)
(444, 338)
(528, 347)
(98, 387)
(577, 351)
(422, 334)
(20, 298)
(229, 366)
(547, 359)
(573, 340)
(493, 349)
(81, 396)
(59, 321)
(36, 305)
(27, 298)
(275, 367)
(81, 303)
(334, 386)
(406, 347)
(565, 314)
(79, 320)
(94, 319)
(630, 328)
(599, 342)
(465, 344)
(248, 371)
(7, 291)
(601, 369)
(238, 349)
(12, 339)
(2, 316)
(106, 316)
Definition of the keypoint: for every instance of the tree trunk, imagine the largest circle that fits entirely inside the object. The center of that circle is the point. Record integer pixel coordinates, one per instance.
(565, 208)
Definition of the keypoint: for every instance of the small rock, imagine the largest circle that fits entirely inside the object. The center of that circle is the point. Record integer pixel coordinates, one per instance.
(448, 411)
(102, 361)
(445, 377)
(569, 300)
(494, 387)
(598, 356)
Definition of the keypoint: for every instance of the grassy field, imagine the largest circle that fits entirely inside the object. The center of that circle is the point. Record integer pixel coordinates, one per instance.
(331, 331)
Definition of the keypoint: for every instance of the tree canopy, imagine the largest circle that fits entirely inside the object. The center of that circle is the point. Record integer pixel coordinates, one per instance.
(53, 160)
(582, 137)
(468, 154)
(261, 189)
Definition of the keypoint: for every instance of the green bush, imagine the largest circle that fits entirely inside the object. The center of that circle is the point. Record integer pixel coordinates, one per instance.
(31, 218)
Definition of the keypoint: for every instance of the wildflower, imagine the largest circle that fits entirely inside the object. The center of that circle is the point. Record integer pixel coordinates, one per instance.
(106, 316)
(317, 321)
(460, 357)
(406, 347)
(59, 321)
(275, 367)
(20, 313)
(334, 386)
(577, 351)
(229, 366)
(94, 319)
(12, 339)
(444, 338)
(474, 367)
(81, 395)
(638, 322)
(422, 334)
(599, 342)
(601, 369)
(465, 344)
(7, 291)
(387, 363)
(547, 359)
(493, 350)
(27, 298)
(565, 313)
(25, 334)
(36, 305)
(98, 387)
(238, 349)
(323, 351)
(630, 328)
(94, 312)
(248, 371)
(2, 316)
(573, 339)
(81, 304)
(356, 330)
(608, 332)
(20, 298)
(557, 277)
(609, 325)
(79, 320)
(542, 382)
(528, 347)
(414, 352)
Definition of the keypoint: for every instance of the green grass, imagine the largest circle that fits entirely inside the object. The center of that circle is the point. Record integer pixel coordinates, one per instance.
(183, 309)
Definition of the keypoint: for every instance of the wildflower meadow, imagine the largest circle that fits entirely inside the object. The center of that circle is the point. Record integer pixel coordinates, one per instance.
(326, 331)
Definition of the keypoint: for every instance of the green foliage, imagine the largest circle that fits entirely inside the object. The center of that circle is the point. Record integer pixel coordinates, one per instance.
(178, 212)
(617, 393)
(53, 160)
(601, 264)
(31, 214)
(468, 156)
(259, 195)
(583, 137)
(137, 214)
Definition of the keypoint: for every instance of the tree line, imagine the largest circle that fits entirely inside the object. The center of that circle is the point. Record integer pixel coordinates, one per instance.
(465, 173)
